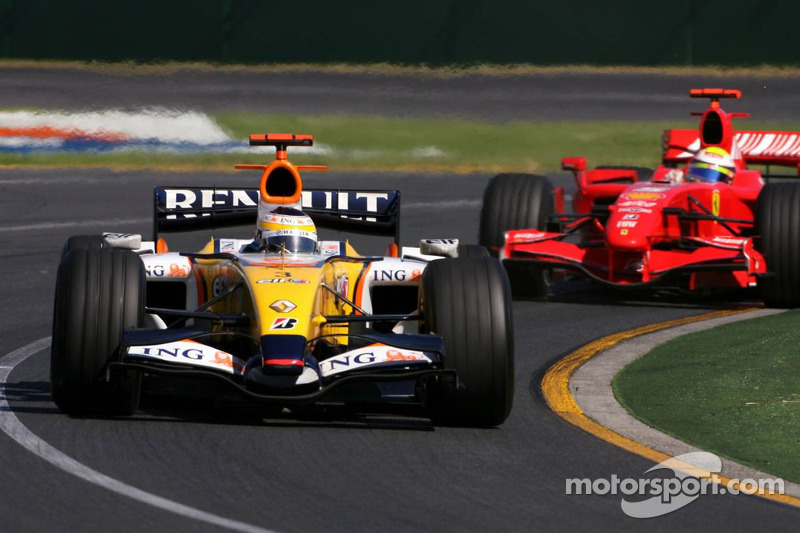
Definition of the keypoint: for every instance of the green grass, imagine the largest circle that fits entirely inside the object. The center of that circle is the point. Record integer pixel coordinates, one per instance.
(733, 390)
(370, 143)
(374, 142)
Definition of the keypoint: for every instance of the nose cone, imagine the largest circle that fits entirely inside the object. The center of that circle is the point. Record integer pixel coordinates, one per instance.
(630, 231)
(637, 216)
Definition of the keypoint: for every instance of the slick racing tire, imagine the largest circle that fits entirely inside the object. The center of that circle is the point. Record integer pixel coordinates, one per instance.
(517, 201)
(472, 250)
(514, 201)
(82, 241)
(468, 302)
(99, 293)
(778, 225)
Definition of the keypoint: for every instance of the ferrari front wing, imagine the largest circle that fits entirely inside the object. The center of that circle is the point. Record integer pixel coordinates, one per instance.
(663, 258)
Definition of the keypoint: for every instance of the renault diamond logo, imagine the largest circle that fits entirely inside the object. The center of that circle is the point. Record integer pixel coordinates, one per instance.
(282, 306)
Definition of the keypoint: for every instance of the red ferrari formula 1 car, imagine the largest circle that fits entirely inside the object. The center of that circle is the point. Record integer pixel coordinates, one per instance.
(701, 220)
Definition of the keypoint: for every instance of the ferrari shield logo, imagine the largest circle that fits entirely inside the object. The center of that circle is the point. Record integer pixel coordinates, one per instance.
(715, 203)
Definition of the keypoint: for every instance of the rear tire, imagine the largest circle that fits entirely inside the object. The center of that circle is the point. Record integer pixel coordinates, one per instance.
(99, 293)
(778, 224)
(472, 250)
(468, 302)
(518, 201)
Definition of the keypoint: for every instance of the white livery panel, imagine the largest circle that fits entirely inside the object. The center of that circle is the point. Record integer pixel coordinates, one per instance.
(373, 355)
(163, 266)
(191, 353)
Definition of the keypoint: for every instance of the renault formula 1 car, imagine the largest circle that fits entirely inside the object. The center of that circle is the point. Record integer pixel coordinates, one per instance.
(283, 319)
(633, 227)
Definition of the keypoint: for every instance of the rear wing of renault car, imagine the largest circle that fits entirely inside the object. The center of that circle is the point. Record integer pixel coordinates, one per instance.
(181, 209)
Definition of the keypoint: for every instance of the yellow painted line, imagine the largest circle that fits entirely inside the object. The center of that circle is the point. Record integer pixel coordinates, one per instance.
(555, 388)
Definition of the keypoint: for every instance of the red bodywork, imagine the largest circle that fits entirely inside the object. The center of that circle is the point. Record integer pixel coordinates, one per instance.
(627, 232)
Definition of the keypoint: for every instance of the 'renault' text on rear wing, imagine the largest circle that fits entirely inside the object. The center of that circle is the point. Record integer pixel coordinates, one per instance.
(180, 209)
(194, 208)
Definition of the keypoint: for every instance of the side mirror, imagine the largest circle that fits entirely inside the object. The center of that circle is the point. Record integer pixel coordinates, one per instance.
(440, 247)
(575, 164)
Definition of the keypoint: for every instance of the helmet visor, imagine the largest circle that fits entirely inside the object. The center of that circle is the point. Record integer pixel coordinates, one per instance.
(709, 173)
(294, 244)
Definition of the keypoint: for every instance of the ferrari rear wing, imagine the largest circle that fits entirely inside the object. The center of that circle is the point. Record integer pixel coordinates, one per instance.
(757, 147)
(716, 129)
(181, 209)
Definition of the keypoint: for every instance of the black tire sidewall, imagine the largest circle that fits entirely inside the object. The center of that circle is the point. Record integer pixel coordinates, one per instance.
(467, 302)
(472, 250)
(514, 201)
(99, 293)
(82, 241)
(778, 239)
(518, 201)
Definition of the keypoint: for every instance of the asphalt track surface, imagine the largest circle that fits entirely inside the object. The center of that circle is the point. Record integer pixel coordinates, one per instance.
(340, 473)
(497, 98)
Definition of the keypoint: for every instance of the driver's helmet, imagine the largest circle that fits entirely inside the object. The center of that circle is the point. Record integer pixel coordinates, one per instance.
(711, 165)
(289, 230)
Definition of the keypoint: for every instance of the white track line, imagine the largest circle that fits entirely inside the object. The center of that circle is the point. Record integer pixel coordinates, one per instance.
(447, 204)
(11, 426)
(76, 224)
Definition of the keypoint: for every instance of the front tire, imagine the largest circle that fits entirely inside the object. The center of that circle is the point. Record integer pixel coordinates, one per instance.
(778, 224)
(518, 201)
(99, 293)
(468, 302)
(82, 241)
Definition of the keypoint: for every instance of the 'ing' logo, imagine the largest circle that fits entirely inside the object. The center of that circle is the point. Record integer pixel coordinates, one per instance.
(389, 275)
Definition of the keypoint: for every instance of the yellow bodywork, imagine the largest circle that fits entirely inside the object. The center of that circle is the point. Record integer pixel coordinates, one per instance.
(284, 295)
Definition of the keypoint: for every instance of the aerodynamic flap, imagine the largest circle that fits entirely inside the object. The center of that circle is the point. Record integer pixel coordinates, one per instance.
(179, 209)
